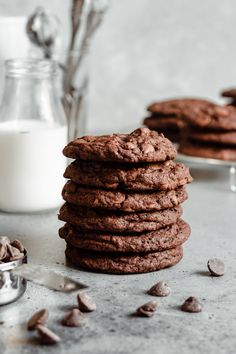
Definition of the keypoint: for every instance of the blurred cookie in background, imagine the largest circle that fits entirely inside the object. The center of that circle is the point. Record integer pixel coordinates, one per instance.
(230, 94)
(168, 116)
(211, 132)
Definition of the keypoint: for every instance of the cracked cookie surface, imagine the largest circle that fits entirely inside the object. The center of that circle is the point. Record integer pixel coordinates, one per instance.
(142, 145)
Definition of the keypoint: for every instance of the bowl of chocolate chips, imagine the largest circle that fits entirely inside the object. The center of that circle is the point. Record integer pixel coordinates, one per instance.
(12, 255)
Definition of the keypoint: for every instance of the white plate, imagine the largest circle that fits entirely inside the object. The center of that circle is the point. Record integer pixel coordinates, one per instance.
(231, 165)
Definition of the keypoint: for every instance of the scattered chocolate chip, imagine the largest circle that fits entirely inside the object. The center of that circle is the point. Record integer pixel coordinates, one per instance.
(3, 252)
(13, 250)
(14, 253)
(18, 244)
(85, 302)
(4, 240)
(216, 267)
(191, 305)
(47, 336)
(39, 318)
(159, 289)
(147, 309)
(68, 286)
(74, 318)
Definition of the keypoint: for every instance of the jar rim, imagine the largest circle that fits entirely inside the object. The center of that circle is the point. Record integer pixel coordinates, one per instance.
(32, 68)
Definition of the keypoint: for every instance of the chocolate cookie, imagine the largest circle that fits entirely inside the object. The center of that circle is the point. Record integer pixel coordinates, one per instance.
(211, 116)
(143, 145)
(165, 238)
(175, 107)
(110, 221)
(217, 137)
(126, 263)
(167, 123)
(231, 93)
(208, 151)
(119, 200)
(161, 176)
(169, 126)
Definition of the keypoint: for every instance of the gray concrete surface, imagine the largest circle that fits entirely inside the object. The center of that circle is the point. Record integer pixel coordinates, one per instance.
(211, 212)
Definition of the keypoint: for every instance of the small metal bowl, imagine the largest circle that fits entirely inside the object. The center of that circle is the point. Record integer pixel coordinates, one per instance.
(12, 286)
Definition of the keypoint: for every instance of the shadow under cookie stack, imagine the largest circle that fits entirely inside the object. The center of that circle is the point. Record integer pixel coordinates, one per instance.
(123, 203)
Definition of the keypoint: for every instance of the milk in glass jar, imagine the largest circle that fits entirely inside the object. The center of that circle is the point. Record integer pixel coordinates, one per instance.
(33, 132)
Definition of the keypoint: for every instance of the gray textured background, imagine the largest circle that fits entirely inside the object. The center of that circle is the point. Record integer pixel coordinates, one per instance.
(152, 49)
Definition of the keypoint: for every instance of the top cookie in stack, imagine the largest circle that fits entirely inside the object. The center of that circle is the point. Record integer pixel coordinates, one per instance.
(122, 209)
(211, 131)
(168, 116)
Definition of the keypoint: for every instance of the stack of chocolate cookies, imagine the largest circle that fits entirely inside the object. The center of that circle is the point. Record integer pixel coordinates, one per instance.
(123, 203)
(168, 116)
(211, 131)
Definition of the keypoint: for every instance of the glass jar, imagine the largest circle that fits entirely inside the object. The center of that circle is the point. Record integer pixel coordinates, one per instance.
(33, 132)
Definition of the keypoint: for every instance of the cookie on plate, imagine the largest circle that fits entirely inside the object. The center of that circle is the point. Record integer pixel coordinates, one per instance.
(215, 137)
(168, 116)
(211, 116)
(208, 151)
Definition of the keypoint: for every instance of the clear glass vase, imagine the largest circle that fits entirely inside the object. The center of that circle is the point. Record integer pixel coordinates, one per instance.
(33, 132)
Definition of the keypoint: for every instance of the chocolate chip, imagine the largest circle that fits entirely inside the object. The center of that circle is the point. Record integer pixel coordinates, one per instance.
(159, 289)
(191, 305)
(68, 286)
(216, 267)
(147, 148)
(47, 336)
(4, 240)
(148, 309)
(18, 244)
(14, 253)
(85, 302)
(3, 252)
(39, 318)
(74, 318)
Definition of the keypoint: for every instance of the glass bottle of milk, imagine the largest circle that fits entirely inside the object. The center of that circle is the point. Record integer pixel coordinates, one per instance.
(33, 132)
